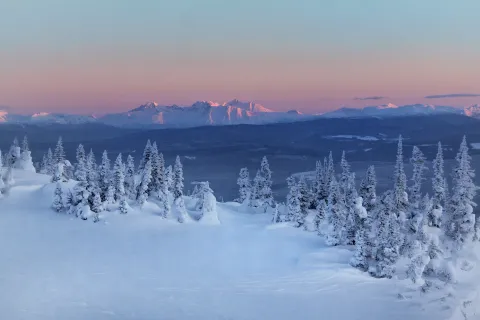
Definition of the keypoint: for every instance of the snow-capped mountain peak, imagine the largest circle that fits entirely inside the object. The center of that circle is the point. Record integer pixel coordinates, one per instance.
(150, 105)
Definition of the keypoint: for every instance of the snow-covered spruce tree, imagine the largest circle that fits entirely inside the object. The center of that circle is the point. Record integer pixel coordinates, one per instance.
(276, 218)
(154, 186)
(304, 200)
(336, 216)
(421, 245)
(415, 212)
(439, 186)
(44, 164)
(244, 185)
(389, 237)
(92, 162)
(459, 226)
(328, 175)
(320, 214)
(362, 241)
(130, 190)
(58, 175)
(254, 200)
(110, 196)
(146, 156)
(163, 192)
(169, 178)
(81, 159)
(57, 204)
(59, 155)
(104, 175)
(208, 206)
(400, 197)
(368, 189)
(349, 196)
(118, 179)
(293, 200)
(13, 156)
(178, 179)
(50, 162)
(317, 184)
(266, 190)
(25, 162)
(123, 206)
(142, 189)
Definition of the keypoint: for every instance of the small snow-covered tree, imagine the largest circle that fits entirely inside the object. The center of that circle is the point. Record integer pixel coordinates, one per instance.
(59, 155)
(460, 224)
(244, 185)
(400, 197)
(320, 214)
(304, 202)
(209, 204)
(178, 179)
(362, 241)
(81, 161)
(262, 195)
(169, 178)
(276, 218)
(2, 184)
(50, 162)
(118, 179)
(104, 175)
(57, 204)
(368, 188)
(318, 183)
(293, 209)
(44, 164)
(439, 186)
(110, 196)
(146, 155)
(25, 161)
(349, 196)
(388, 237)
(130, 178)
(123, 206)
(155, 184)
(180, 210)
(13, 155)
(58, 175)
(328, 175)
(336, 216)
(142, 189)
(418, 161)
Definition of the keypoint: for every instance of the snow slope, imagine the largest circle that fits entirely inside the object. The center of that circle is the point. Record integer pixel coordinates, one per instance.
(139, 266)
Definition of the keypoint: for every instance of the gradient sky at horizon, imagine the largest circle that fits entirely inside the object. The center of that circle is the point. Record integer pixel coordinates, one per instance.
(101, 56)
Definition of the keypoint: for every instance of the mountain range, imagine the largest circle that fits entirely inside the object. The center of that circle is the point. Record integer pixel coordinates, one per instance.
(207, 113)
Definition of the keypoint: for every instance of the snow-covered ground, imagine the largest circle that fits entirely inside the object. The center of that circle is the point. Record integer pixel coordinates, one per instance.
(140, 266)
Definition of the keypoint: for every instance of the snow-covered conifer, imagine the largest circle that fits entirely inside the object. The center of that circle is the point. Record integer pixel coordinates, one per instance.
(177, 179)
(59, 175)
(439, 186)
(388, 237)
(208, 205)
(25, 161)
(304, 202)
(180, 210)
(169, 178)
(362, 241)
(25, 144)
(50, 162)
(154, 186)
(368, 188)
(81, 161)
(130, 178)
(460, 224)
(59, 155)
(336, 215)
(142, 189)
(57, 204)
(318, 183)
(293, 209)
(320, 214)
(146, 155)
(244, 185)
(123, 206)
(104, 175)
(400, 197)
(118, 179)
(110, 196)
(276, 218)
(418, 161)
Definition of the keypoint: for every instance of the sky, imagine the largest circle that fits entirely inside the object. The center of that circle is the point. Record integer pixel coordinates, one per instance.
(84, 56)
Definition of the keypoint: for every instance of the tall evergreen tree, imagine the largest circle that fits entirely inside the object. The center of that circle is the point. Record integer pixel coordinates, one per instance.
(304, 202)
(368, 188)
(154, 186)
(13, 156)
(320, 215)
(336, 215)
(439, 186)
(59, 155)
(400, 197)
(265, 194)
(81, 162)
(388, 237)
(318, 183)
(118, 179)
(142, 189)
(362, 241)
(418, 161)
(146, 155)
(244, 185)
(293, 209)
(50, 162)
(104, 175)
(130, 178)
(460, 224)
(57, 204)
(178, 179)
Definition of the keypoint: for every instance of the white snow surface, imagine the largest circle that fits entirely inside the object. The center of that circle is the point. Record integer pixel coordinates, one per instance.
(475, 145)
(140, 266)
